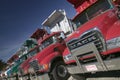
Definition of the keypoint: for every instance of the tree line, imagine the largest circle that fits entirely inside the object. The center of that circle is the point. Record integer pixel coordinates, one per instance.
(3, 65)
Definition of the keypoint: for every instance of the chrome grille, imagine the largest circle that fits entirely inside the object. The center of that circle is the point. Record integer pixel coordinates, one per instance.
(35, 65)
(88, 37)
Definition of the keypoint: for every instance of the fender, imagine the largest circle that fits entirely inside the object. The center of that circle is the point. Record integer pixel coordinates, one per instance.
(50, 58)
(54, 60)
(66, 52)
(66, 59)
(114, 31)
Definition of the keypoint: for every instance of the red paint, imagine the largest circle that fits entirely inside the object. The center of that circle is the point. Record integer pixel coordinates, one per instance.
(107, 22)
(48, 53)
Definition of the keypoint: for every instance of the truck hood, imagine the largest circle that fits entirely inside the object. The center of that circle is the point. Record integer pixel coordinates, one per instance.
(46, 51)
(114, 31)
(102, 22)
(25, 63)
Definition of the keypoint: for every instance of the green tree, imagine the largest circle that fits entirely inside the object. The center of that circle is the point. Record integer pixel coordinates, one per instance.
(3, 65)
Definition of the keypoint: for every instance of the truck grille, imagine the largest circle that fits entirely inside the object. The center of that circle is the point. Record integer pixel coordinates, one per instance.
(88, 37)
(35, 65)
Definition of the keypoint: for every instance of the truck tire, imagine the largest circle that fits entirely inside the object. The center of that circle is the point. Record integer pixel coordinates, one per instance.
(60, 72)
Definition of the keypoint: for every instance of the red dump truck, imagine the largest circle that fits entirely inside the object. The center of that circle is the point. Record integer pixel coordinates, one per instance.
(49, 62)
(93, 49)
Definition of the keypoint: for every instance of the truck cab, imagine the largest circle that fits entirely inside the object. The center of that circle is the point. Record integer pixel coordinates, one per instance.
(23, 68)
(94, 46)
(15, 66)
(37, 35)
(22, 54)
(49, 61)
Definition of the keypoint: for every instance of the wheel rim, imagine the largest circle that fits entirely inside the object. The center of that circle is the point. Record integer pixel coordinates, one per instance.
(61, 71)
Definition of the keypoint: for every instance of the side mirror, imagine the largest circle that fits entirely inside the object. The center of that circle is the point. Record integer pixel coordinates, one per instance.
(62, 35)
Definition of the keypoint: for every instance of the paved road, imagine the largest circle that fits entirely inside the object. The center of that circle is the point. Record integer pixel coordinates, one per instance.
(71, 78)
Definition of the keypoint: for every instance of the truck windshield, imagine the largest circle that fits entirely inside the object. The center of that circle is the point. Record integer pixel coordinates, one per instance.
(16, 62)
(49, 41)
(53, 39)
(31, 53)
(20, 60)
(98, 8)
(23, 58)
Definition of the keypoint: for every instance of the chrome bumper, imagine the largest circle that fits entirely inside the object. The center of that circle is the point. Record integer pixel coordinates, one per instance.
(100, 65)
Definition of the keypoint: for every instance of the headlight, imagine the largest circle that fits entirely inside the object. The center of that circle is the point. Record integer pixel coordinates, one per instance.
(68, 57)
(113, 43)
(44, 67)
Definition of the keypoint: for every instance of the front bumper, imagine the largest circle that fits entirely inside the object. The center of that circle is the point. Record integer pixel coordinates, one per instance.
(97, 66)
(73, 69)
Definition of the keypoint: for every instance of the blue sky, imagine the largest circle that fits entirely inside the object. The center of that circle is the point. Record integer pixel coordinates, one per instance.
(20, 18)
